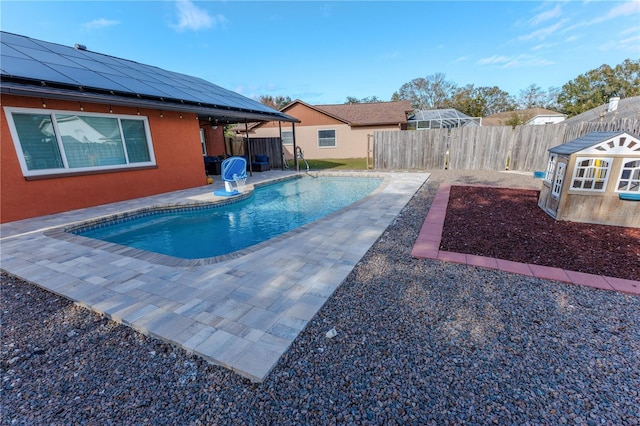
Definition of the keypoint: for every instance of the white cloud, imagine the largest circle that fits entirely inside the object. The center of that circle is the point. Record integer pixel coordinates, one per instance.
(543, 33)
(629, 8)
(545, 16)
(543, 46)
(518, 61)
(493, 60)
(624, 9)
(628, 44)
(96, 24)
(391, 55)
(191, 17)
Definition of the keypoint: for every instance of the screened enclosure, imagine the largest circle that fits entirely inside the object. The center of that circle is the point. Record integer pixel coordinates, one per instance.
(440, 119)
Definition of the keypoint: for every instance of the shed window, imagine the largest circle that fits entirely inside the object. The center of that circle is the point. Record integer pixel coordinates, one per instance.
(326, 138)
(54, 142)
(287, 137)
(557, 182)
(591, 174)
(551, 167)
(629, 180)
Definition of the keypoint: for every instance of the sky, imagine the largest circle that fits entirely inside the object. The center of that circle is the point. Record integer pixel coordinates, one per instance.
(322, 52)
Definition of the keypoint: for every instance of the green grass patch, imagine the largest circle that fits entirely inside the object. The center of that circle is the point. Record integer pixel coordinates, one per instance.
(336, 164)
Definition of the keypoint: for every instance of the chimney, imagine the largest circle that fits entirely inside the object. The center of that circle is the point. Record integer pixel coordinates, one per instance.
(613, 103)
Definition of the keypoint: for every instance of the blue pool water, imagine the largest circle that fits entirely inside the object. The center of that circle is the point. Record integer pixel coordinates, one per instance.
(216, 230)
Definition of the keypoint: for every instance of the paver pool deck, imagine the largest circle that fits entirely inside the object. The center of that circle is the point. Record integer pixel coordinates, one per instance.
(241, 312)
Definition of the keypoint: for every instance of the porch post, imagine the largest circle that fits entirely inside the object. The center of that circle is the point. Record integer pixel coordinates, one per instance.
(246, 129)
(295, 152)
(281, 147)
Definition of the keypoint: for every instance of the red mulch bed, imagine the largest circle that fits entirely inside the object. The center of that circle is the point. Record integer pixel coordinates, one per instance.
(507, 223)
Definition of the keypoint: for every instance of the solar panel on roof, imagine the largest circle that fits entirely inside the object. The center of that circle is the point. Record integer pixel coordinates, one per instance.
(93, 65)
(29, 59)
(10, 51)
(88, 78)
(60, 50)
(47, 57)
(28, 68)
(135, 85)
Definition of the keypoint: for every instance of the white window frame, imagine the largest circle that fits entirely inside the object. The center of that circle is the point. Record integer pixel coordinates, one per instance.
(551, 167)
(203, 142)
(631, 179)
(591, 173)
(65, 169)
(558, 180)
(285, 140)
(335, 139)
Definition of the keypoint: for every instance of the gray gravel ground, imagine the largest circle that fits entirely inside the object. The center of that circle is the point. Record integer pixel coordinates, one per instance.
(419, 342)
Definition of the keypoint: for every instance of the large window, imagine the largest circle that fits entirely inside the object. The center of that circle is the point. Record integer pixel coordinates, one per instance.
(54, 142)
(287, 137)
(591, 174)
(629, 180)
(326, 138)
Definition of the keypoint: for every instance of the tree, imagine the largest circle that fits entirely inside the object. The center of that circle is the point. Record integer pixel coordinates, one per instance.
(481, 101)
(532, 97)
(367, 100)
(432, 92)
(277, 102)
(552, 99)
(595, 87)
(496, 100)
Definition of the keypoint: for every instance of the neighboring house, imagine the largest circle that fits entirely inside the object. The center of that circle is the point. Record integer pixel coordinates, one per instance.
(440, 119)
(594, 179)
(616, 109)
(531, 116)
(335, 131)
(81, 128)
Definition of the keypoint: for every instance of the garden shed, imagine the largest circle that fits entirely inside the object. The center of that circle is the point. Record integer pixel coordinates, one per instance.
(594, 179)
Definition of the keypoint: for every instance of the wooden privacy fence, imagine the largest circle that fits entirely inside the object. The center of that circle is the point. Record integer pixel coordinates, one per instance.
(523, 148)
(262, 146)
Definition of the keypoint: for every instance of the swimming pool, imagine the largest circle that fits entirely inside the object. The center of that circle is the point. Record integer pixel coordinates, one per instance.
(209, 231)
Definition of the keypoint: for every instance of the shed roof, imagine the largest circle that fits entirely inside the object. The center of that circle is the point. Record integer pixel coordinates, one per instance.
(584, 142)
(31, 67)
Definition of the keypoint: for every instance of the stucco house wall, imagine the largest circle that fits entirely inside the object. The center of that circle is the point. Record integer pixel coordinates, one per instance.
(97, 135)
(351, 142)
(351, 136)
(178, 155)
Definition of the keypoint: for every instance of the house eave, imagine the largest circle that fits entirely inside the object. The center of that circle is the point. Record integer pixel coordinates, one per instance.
(204, 111)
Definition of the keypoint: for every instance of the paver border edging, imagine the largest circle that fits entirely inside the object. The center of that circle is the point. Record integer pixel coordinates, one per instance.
(427, 246)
